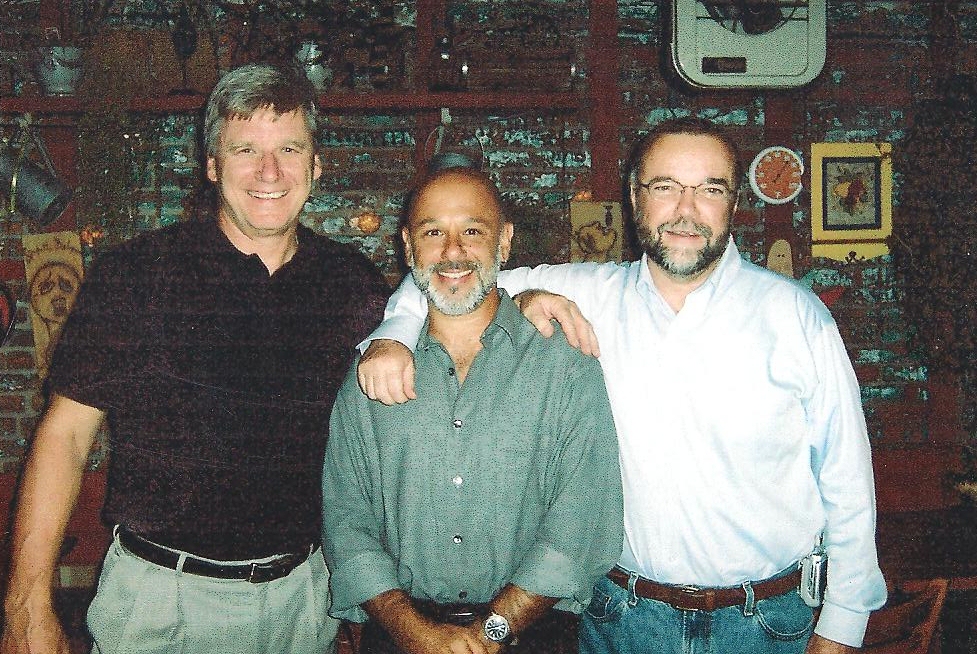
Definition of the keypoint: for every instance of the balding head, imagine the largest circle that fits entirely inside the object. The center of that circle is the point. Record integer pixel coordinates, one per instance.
(455, 238)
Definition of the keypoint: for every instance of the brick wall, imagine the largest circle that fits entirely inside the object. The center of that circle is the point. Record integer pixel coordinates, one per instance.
(880, 63)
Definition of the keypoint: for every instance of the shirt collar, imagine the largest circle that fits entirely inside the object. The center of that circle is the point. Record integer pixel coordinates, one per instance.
(729, 265)
(213, 239)
(507, 321)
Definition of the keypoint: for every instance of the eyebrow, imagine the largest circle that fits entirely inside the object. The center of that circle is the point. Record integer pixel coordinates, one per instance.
(471, 219)
(295, 144)
(708, 180)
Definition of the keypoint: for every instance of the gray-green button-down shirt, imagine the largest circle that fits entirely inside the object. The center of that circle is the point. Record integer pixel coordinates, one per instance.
(511, 477)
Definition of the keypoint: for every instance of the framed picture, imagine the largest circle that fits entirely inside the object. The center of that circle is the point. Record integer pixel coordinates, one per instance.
(851, 196)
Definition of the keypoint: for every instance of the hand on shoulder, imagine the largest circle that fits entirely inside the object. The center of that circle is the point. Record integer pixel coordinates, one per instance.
(385, 372)
(540, 307)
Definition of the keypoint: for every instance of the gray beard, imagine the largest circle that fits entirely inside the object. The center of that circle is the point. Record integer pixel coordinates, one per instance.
(455, 305)
(662, 256)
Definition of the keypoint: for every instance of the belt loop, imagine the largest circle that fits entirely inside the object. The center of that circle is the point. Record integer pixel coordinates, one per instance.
(632, 595)
(750, 603)
(180, 561)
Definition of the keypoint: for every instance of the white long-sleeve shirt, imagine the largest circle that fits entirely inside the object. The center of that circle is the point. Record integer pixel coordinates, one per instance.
(740, 427)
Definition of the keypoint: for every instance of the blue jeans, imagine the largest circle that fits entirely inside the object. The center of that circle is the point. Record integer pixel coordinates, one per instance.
(619, 622)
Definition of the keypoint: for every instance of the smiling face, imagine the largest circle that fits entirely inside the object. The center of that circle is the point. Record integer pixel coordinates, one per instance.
(455, 241)
(684, 237)
(263, 169)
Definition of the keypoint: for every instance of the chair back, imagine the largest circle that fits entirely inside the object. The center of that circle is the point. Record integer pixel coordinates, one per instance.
(907, 622)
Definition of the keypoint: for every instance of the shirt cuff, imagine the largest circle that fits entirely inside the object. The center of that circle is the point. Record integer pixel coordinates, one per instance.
(403, 329)
(358, 580)
(842, 625)
(550, 573)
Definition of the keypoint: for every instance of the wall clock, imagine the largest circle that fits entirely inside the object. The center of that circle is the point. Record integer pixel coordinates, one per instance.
(775, 174)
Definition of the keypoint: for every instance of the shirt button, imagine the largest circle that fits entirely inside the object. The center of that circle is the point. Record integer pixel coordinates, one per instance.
(463, 594)
(457, 423)
(451, 372)
(456, 539)
(457, 480)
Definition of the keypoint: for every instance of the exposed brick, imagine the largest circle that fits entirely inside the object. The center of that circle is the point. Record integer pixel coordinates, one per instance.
(879, 65)
(17, 360)
(11, 403)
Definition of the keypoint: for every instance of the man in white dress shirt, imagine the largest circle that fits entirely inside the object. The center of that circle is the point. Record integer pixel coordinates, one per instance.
(742, 437)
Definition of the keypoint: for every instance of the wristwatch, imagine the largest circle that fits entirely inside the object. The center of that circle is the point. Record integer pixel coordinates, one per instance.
(496, 629)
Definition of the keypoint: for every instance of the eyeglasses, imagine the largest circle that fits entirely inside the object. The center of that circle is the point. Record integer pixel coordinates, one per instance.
(668, 190)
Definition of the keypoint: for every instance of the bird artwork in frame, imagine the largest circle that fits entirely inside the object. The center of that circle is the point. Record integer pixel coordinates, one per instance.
(851, 199)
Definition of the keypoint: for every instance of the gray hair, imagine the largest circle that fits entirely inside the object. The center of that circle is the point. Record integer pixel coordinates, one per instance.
(244, 90)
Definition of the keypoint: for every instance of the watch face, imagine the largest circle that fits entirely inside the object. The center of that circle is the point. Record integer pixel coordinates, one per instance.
(496, 628)
(775, 174)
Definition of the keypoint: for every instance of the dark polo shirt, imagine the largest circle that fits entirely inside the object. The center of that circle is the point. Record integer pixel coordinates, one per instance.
(218, 380)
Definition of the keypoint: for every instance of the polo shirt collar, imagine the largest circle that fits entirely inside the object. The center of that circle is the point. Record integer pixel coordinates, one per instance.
(213, 239)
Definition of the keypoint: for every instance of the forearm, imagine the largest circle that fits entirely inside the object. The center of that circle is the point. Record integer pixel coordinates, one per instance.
(394, 611)
(48, 492)
(403, 317)
(819, 645)
(520, 607)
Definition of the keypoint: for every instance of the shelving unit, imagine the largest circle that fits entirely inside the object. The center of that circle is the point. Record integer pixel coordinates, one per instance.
(600, 100)
(394, 101)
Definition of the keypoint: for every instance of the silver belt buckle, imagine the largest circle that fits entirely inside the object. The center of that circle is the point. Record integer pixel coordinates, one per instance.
(688, 590)
(271, 570)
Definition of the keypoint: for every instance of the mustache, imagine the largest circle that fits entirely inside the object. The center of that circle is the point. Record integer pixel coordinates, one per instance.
(455, 266)
(686, 225)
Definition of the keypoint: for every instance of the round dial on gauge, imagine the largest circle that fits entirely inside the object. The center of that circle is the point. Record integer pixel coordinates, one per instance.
(775, 174)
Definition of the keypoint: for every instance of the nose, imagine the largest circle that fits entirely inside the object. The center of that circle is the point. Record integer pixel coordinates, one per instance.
(269, 170)
(686, 199)
(452, 250)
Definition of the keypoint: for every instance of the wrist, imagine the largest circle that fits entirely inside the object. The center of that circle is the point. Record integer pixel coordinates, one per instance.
(28, 605)
(496, 629)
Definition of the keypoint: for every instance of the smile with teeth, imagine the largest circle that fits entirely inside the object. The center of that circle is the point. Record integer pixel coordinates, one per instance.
(271, 195)
(457, 274)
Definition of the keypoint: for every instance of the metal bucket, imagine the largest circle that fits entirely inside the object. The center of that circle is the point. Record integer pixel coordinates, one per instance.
(58, 69)
(31, 190)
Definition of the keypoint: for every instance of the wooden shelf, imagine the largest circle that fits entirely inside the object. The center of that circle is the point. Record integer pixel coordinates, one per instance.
(396, 100)
(598, 102)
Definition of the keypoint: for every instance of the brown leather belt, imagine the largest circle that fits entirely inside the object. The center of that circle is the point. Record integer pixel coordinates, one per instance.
(459, 614)
(255, 573)
(693, 598)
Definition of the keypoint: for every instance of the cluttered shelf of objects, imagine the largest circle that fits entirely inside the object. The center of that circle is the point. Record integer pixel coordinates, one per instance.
(406, 100)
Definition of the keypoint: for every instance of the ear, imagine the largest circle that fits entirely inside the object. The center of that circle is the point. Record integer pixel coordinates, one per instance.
(212, 169)
(505, 241)
(316, 167)
(408, 252)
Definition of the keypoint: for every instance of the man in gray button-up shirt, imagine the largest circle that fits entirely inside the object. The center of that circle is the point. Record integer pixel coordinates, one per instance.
(456, 521)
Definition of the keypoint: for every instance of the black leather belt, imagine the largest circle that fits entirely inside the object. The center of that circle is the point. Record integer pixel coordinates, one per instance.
(693, 598)
(459, 614)
(256, 573)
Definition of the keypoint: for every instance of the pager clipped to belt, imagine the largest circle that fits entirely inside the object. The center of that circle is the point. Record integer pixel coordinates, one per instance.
(814, 576)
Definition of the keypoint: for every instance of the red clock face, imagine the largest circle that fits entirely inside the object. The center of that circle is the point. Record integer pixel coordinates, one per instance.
(775, 175)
